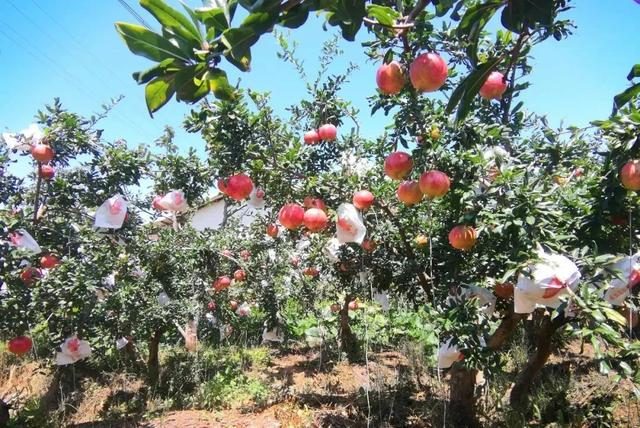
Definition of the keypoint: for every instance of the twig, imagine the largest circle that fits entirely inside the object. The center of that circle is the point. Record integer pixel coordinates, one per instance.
(420, 6)
(37, 197)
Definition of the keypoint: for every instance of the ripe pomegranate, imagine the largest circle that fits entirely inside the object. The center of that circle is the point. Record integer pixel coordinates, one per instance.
(46, 171)
(227, 253)
(494, 86)
(398, 165)
(421, 240)
(221, 283)
(390, 78)
(311, 137)
(428, 72)
(328, 132)
(503, 290)
(222, 186)
(434, 183)
(42, 153)
(353, 305)
(233, 305)
(311, 271)
(315, 219)
(212, 306)
(272, 230)
(409, 193)
(29, 275)
(363, 199)
(295, 261)
(369, 245)
(245, 254)
(239, 187)
(291, 216)
(156, 204)
(239, 275)
(310, 202)
(462, 237)
(49, 261)
(335, 308)
(630, 175)
(20, 345)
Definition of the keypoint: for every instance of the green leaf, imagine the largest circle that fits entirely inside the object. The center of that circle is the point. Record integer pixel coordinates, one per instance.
(171, 19)
(295, 17)
(472, 24)
(383, 14)
(158, 92)
(443, 7)
(219, 85)
(624, 97)
(239, 42)
(614, 315)
(214, 20)
(189, 85)
(194, 18)
(148, 44)
(260, 22)
(467, 90)
(169, 64)
(635, 72)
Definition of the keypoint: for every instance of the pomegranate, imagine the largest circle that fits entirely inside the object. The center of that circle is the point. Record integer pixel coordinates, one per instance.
(46, 171)
(239, 275)
(49, 261)
(369, 245)
(390, 78)
(227, 253)
(435, 133)
(295, 261)
(363, 199)
(29, 275)
(221, 283)
(315, 219)
(311, 137)
(335, 308)
(42, 153)
(630, 175)
(233, 305)
(239, 187)
(272, 230)
(494, 86)
(156, 204)
(434, 183)
(409, 193)
(503, 290)
(310, 202)
(353, 305)
(428, 72)
(291, 216)
(398, 165)
(462, 237)
(311, 271)
(245, 254)
(222, 186)
(20, 345)
(212, 306)
(328, 132)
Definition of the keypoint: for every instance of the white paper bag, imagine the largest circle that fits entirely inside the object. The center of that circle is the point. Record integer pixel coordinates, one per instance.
(111, 213)
(350, 227)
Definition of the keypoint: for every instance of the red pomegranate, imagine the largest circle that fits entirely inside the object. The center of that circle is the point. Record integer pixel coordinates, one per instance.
(315, 219)
(20, 345)
(49, 261)
(397, 165)
(239, 187)
(390, 78)
(46, 171)
(221, 283)
(328, 132)
(363, 199)
(233, 305)
(310, 202)
(434, 183)
(462, 237)
(428, 72)
(311, 137)
(353, 305)
(272, 230)
(212, 306)
(239, 275)
(409, 193)
(369, 245)
(503, 290)
(630, 175)
(245, 254)
(29, 275)
(494, 86)
(42, 153)
(291, 216)
(311, 271)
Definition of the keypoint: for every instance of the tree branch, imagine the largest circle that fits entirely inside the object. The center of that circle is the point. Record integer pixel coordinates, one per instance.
(419, 7)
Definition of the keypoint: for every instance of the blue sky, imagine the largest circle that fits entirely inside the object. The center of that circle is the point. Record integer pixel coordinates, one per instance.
(69, 48)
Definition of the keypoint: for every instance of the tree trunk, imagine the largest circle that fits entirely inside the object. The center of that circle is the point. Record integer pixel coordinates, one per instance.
(4, 414)
(348, 341)
(153, 362)
(462, 397)
(463, 380)
(520, 393)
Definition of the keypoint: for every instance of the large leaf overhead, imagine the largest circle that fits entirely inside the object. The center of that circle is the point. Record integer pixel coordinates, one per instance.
(148, 44)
